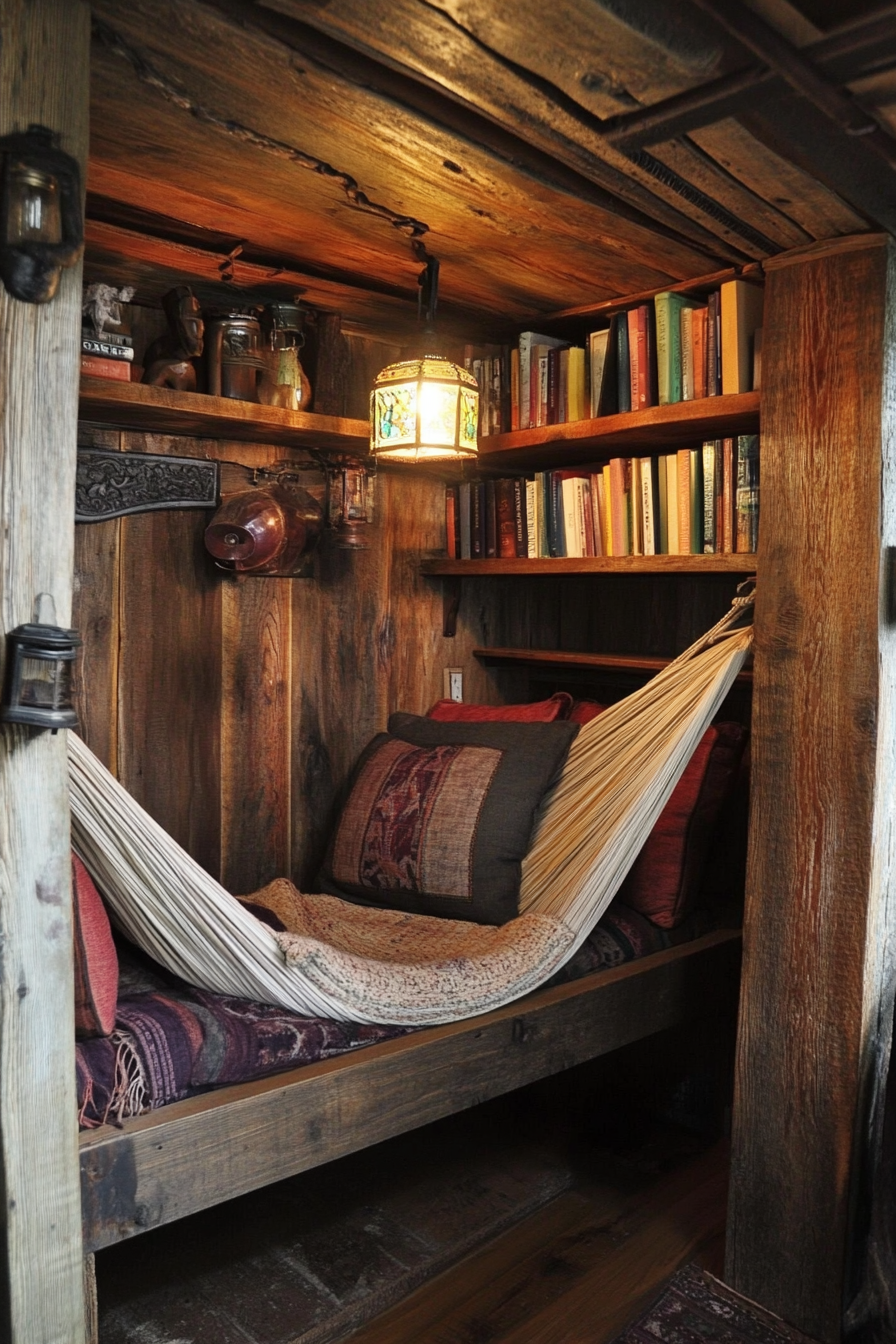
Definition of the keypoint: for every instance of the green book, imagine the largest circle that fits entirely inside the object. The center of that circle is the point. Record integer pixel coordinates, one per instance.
(668, 343)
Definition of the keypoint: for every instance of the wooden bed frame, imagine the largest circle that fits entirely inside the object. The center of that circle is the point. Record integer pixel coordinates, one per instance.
(195, 1153)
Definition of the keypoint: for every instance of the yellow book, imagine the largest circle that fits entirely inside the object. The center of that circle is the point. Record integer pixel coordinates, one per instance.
(575, 402)
(607, 519)
(741, 318)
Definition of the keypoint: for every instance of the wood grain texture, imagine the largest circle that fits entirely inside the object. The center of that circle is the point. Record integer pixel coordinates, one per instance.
(168, 1164)
(659, 427)
(43, 78)
(817, 996)
(170, 671)
(600, 564)
(256, 662)
(160, 410)
(604, 662)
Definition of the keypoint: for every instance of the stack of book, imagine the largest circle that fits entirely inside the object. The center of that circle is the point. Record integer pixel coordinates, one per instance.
(547, 382)
(694, 501)
(490, 366)
(108, 355)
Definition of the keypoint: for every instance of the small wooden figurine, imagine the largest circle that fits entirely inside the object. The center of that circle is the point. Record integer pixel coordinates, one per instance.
(168, 361)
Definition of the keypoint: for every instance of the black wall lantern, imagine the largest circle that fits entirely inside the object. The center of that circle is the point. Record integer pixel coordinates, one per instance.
(39, 661)
(41, 222)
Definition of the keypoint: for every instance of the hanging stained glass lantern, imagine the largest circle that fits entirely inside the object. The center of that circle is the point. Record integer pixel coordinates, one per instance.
(424, 410)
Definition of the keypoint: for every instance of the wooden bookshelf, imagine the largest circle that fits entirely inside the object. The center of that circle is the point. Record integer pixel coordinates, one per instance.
(159, 410)
(600, 662)
(684, 423)
(604, 564)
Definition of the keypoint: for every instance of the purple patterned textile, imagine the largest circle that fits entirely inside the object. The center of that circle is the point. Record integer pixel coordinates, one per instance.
(171, 1040)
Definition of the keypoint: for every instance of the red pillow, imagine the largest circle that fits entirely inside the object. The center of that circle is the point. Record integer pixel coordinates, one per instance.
(542, 711)
(96, 960)
(665, 879)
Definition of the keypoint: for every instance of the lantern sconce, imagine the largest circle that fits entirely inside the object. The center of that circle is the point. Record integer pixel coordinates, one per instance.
(349, 500)
(39, 661)
(425, 409)
(41, 220)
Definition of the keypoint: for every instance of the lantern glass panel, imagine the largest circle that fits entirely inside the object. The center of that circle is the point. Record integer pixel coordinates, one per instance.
(438, 414)
(33, 213)
(45, 683)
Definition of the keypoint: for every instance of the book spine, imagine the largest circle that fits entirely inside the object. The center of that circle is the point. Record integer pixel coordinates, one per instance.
(696, 499)
(712, 345)
(541, 405)
(607, 518)
(450, 520)
(672, 492)
(711, 475)
(728, 488)
(117, 338)
(634, 355)
(464, 492)
(491, 520)
(633, 491)
(97, 366)
(588, 503)
(698, 331)
(544, 513)
(687, 354)
(525, 375)
(504, 516)
(520, 518)
(618, 505)
(477, 520)
(571, 525)
(552, 413)
(106, 349)
(600, 513)
(558, 541)
(646, 481)
(747, 534)
(623, 369)
(684, 501)
(597, 358)
(515, 388)
(663, 505)
(575, 398)
(532, 519)
(663, 308)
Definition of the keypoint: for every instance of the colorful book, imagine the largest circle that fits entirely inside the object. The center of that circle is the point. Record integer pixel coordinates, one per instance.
(477, 520)
(620, 491)
(747, 499)
(741, 316)
(451, 518)
(575, 391)
(571, 495)
(98, 366)
(464, 493)
(712, 496)
(663, 505)
(698, 333)
(648, 489)
(695, 530)
(520, 518)
(668, 308)
(687, 354)
(504, 518)
(528, 340)
(107, 349)
(597, 361)
(728, 496)
(491, 521)
(672, 503)
(713, 367)
(598, 496)
(515, 388)
(623, 370)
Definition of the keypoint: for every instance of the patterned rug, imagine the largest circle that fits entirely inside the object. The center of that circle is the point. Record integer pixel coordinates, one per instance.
(695, 1308)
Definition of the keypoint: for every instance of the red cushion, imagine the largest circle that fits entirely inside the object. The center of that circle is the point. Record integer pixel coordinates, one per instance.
(96, 960)
(583, 711)
(665, 879)
(542, 711)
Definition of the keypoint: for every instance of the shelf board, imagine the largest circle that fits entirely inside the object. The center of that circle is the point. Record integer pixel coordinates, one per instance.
(602, 662)
(623, 564)
(159, 410)
(657, 428)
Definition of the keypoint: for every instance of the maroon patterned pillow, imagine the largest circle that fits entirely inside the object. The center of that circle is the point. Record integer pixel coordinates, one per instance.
(96, 960)
(539, 711)
(439, 816)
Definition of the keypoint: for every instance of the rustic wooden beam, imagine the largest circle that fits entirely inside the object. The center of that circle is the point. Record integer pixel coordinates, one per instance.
(44, 62)
(817, 1000)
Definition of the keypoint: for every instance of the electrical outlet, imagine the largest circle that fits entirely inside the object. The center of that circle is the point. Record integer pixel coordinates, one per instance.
(453, 683)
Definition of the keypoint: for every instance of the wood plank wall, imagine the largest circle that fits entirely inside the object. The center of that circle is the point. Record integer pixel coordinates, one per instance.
(233, 709)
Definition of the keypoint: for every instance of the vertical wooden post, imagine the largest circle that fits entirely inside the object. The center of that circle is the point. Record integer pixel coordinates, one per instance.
(817, 994)
(44, 70)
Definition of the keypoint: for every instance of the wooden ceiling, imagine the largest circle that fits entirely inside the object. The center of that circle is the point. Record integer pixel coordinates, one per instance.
(549, 155)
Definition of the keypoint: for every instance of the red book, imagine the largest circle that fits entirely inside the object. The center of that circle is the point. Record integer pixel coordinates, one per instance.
(634, 356)
(728, 496)
(698, 330)
(97, 366)
(506, 520)
(451, 520)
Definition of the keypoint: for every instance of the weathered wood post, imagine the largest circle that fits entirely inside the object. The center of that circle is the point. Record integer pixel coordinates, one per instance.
(817, 995)
(44, 75)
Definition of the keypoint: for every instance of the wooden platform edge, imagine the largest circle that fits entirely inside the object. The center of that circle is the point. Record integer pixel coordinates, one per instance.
(197, 1153)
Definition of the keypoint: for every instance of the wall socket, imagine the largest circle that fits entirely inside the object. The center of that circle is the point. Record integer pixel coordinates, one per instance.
(453, 683)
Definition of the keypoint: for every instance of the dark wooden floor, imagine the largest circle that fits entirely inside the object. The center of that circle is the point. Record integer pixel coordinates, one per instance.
(548, 1217)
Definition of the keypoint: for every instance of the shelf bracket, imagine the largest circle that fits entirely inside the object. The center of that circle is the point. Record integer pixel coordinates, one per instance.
(451, 591)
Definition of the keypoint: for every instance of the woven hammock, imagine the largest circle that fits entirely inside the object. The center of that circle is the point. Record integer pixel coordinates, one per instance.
(364, 964)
